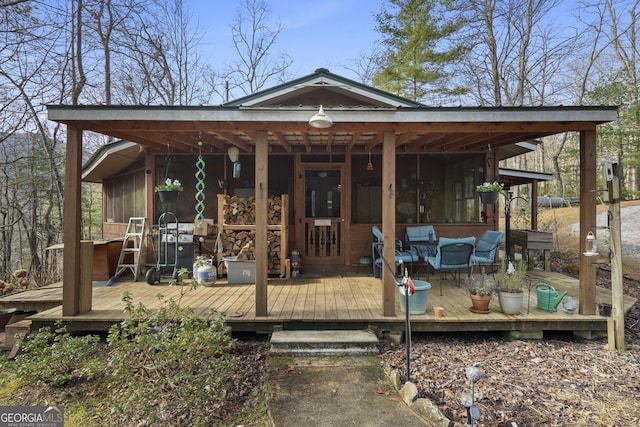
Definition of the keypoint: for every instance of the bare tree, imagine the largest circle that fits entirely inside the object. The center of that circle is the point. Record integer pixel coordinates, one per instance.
(254, 38)
(159, 62)
(515, 52)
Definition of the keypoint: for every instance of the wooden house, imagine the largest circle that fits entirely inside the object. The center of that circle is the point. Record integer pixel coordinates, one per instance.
(384, 160)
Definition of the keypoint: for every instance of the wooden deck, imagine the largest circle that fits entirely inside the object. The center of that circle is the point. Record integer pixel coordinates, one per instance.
(348, 301)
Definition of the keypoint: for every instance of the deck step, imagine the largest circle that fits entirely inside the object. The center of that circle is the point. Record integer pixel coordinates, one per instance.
(324, 343)
(19, 328)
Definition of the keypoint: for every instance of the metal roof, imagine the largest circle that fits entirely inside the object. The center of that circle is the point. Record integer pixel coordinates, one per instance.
(361, 114)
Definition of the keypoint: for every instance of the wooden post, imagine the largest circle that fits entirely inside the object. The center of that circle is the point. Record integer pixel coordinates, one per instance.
(389, 221)
(613, 174)
(262, 214)
(587, 219)
(71, 228)
(86, 276)
(534, 206)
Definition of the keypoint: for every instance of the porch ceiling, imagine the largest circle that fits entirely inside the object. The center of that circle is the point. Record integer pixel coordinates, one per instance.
(428, 129)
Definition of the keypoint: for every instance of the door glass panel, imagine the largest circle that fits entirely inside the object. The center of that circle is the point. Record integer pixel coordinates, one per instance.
(322, 194)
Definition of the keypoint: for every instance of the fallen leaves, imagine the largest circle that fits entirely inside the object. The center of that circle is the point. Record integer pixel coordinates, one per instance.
(553, 382)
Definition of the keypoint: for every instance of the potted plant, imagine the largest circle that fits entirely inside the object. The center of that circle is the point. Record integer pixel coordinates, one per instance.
(169, 190)
(489, 191)
(511, 279)
(480, 290)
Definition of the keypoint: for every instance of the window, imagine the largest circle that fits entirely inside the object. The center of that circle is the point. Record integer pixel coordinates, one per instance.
(125, 196)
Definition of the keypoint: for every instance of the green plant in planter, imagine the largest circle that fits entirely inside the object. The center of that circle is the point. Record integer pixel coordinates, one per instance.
(169, 185)
(481, 286)
(512, 276)
(489, 186)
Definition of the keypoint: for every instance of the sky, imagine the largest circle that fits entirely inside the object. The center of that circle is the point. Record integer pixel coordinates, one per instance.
(328, 33)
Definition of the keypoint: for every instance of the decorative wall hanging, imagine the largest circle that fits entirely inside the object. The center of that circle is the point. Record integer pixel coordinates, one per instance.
(200, 176)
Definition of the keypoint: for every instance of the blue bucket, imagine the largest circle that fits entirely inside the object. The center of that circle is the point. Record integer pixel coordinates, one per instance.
(417, 301)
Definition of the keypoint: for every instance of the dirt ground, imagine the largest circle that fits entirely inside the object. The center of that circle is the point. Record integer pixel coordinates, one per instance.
(557, 381)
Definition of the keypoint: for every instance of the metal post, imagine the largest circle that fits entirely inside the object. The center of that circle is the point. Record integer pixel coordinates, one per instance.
(407, 322)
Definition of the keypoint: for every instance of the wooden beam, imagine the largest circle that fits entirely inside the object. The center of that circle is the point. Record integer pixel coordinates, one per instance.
(72, 221)
(375, 140)
(617, 292)
(534, 205)
(262, 192)
(497, 126)
(389, 221)
(85, 292)
(282, 140)
(354, 139)
(587, 219)
(235, 140)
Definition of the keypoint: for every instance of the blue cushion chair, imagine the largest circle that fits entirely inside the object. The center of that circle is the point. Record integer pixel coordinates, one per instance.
(401, 256)
(452, 255)
(486, 248)
(423, 238)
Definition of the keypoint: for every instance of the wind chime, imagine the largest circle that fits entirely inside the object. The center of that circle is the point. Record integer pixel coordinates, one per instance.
(200, 176)
(369, 165)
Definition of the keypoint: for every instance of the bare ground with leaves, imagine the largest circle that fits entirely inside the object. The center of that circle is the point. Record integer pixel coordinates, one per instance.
(558, 381)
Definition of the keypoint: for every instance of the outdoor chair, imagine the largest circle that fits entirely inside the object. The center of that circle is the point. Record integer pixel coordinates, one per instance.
(424, 240)
(401, 256)
(486, 248)
(452, 255)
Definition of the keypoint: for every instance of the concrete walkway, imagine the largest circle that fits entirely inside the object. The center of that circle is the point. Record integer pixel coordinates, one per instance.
(334, 391)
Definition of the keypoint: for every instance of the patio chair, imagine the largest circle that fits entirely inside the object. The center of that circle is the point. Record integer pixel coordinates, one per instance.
(423, 238)
(485, 251)
(452, 255)
(401, 256)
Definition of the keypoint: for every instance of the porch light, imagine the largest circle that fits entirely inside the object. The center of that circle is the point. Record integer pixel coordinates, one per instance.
(590, 245)
(369, 165)
(320, 120)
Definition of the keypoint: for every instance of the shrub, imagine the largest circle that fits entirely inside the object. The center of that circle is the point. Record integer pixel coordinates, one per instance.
(56, 357)
(169, 365)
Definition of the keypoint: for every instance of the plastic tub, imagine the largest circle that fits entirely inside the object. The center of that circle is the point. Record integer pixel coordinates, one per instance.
(417, 301)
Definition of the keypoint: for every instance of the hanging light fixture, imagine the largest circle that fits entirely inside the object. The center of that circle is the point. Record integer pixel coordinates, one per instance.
(320, 120)
(233, 153)
(590, 245)
(369, 165)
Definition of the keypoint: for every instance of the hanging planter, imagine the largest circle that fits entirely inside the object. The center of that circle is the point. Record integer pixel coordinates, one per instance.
(489, 197)
(168, 196)
(168, 192)
(489, 192)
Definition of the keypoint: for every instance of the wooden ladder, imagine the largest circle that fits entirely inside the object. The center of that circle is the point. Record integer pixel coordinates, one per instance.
(133, 244)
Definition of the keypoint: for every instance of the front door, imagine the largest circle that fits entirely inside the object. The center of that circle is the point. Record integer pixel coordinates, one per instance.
(322, 226)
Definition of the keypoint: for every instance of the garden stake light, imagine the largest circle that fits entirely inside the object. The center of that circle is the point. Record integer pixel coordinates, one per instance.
(473, 413)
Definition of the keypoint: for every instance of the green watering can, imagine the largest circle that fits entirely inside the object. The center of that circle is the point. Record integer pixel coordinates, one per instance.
(548, 298)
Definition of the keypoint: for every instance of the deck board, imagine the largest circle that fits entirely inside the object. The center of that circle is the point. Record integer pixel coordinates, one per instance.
(326, 302)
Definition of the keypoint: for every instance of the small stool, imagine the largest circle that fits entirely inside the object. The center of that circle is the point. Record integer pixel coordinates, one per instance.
(365, 261)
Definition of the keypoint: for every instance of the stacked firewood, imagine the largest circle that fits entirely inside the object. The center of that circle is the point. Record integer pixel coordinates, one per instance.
(241, 243)
(242, 211)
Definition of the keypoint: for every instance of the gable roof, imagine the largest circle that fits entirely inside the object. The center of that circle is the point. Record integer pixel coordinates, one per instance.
(361, 115)
(333, 90)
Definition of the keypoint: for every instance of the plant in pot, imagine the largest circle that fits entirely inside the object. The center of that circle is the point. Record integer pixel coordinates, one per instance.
(511, 279)
(480, 290)
(169, 190)
(489, 191)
